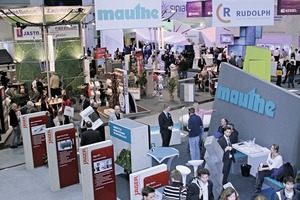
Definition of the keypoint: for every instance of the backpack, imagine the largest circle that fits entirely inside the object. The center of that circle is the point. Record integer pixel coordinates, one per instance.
(287, 170)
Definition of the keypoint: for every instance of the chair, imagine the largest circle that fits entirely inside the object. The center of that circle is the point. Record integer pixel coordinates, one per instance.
(184, 172)
(195, 164)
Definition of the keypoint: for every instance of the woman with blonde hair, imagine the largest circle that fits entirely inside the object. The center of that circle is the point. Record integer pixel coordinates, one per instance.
(229, 194)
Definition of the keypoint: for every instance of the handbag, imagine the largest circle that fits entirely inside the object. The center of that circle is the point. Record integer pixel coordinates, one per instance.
(279, 72)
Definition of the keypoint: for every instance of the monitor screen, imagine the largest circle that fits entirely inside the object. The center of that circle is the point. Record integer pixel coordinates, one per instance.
(288, 7)
(63, 2)
(226, 39)
(194, 9)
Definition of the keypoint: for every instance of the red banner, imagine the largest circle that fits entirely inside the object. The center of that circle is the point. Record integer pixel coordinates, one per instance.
(38, 140)
(157, 180)
(103, 169)
(67, 157)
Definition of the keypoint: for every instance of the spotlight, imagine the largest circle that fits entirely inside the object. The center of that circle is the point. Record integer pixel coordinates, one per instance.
(80, 10)
(169, 20)
(19, 25)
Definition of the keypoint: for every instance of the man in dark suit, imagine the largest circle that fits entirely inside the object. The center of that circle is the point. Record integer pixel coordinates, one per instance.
(201, 188)
(90, 136)
(234, 137)
(84, 101)
(201, 62)
(166, 124)
(228, 156)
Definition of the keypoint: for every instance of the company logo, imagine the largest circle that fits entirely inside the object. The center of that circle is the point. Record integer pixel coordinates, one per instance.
(23, 33)
(136, 185)
(85, 156)
(24, 122)
(19, 32)
(137, 13)
(288, 10)
(225, 13)
(250, 100)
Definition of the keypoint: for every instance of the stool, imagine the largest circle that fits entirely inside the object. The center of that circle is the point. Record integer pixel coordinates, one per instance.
(184, 172)
(195, 164)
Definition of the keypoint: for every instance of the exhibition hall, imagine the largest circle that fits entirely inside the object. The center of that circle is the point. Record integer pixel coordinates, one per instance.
(152, 100)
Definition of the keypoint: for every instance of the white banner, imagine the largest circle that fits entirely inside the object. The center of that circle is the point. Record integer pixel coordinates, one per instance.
(228, 13)
(63, 31)
(115, 14)
(173, 9)
(28, 33)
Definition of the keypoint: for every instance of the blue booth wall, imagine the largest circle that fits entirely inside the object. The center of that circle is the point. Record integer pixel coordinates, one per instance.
(271, 114)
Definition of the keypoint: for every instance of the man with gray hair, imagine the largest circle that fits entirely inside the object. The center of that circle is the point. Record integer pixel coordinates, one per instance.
(116, 115)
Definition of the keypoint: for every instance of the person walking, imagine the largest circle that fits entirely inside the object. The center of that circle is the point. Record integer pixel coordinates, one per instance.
(90, 136)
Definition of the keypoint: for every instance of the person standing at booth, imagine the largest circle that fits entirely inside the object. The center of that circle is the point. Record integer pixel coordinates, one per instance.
(14, 122)
(54, 85)
(228, 155)
(117, 114)
(166, 125)
(195, 128)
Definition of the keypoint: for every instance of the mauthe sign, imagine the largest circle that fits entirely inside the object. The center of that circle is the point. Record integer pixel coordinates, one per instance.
(114, 14)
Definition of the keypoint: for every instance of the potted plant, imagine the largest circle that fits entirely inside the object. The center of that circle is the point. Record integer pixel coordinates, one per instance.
(172, 84)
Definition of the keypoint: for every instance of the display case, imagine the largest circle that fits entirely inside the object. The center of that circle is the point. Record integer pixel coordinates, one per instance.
(3, 111)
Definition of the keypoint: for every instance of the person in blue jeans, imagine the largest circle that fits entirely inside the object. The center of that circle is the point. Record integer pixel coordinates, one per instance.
(194, 128)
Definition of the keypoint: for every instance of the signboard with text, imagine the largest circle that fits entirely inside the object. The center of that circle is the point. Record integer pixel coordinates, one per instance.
(38, 142)
(28, 33)
(62, 156)
(67, 157)
(33, 128)
(288, 7)
(228, 13)
(104, 184)
(155, 177)
(98, 171)
(115, 14)
(63, 31)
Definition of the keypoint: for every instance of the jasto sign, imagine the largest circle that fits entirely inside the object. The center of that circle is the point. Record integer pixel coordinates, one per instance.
(243, 13)
(115, 14)
(250, 100)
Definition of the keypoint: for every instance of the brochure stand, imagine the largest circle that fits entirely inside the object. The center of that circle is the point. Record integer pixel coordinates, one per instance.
(33, 127)
(131, 145)
(156, 177)
(62, 156)
(98, 172)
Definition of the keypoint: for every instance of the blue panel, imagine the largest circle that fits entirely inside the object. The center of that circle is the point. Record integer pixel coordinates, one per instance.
(250, 36)
(243, 31)
(120, 132)
(240, 41)
(258, 32)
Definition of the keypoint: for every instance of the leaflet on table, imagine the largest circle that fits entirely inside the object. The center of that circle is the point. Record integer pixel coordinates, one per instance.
(89, 114)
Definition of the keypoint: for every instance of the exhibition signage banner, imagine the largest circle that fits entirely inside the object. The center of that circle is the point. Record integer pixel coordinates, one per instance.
(174, 9)
(104, 184)
(288, 7)
(228, 13)
(98, 171)
(89, 114)
(155, 177)
(67, 157)
(28, 33)
(37, 126)
(115, 14)
(63, 31)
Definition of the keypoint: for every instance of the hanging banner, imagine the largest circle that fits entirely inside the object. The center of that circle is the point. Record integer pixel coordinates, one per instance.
(288, 7)
(28, 33)
(173, 9)
(115, 14)
(228, 13)
(63, 31)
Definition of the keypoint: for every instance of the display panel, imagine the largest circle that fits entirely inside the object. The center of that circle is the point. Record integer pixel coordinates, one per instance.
(207, 9)
(288, 7)
(63, 2)
(226, 39)
(194, 9)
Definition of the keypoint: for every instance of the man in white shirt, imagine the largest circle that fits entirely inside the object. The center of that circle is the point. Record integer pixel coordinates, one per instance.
(33, 84)
(276, 54)
(288, 192)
